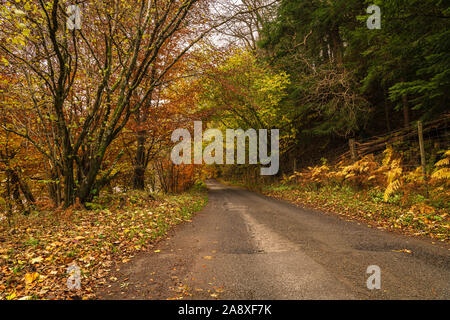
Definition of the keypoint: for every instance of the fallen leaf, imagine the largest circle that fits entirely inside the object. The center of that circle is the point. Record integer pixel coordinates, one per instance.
(37, 260)
(403, 250)
(31, 277)
(11, 296)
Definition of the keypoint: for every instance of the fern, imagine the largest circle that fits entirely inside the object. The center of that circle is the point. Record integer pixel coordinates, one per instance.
(442, 174)
(443, 162)
(391, 189)
(391, 174)
(443, 171)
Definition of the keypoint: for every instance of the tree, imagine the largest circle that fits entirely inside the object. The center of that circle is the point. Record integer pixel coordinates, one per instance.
(307, 40)
(244, 30)
(405, 61)
(84, 85)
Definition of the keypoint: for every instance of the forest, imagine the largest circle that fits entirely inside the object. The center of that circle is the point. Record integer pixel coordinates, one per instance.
(87, 114)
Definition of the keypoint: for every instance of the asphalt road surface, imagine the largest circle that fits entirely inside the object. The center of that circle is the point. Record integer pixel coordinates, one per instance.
(246, 246)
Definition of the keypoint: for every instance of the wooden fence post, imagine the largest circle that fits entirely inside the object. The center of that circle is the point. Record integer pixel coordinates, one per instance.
(422, 153)
(353, 153)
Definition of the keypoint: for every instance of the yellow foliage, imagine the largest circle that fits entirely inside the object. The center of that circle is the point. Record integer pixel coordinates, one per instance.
(389, 153)
(390, 174)
(443, 162)
(391, 189)
(443, 174)
(443, 171)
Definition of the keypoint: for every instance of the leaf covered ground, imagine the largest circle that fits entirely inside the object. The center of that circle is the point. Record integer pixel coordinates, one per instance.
(36, 251)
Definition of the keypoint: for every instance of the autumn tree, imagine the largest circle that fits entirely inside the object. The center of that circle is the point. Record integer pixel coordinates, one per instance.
(246, 29)
(84, 85)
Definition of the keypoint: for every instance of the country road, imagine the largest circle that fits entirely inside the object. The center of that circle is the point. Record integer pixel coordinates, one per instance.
(246, 246)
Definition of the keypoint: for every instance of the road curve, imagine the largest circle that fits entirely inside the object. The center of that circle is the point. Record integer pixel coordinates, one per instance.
(246, 246)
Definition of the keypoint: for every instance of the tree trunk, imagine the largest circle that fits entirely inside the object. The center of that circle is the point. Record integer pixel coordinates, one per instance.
(14, 188)
(54, 188)
(140, 164)
(405, 111)
(69, 184)
(87, 189)
(336, 45)
(386, 113)
(26, 190)
(325, 55)
(405, 104)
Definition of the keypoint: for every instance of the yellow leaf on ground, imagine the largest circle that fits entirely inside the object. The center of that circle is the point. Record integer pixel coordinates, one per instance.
(37, 260)
(403, 250)
(11, 296)
(31, 277)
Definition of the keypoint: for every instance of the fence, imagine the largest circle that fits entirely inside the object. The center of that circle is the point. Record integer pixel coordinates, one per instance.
(437, 131)
(418, 143)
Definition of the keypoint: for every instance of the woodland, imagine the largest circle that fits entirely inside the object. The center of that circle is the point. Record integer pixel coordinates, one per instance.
(87, 115)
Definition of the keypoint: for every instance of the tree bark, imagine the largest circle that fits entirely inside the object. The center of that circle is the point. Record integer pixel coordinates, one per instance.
(54, 189)
(336, 45)
(26, 190)
(406, 118)
(13, 178)
(69, 185)
(387, 116)
(140, 164)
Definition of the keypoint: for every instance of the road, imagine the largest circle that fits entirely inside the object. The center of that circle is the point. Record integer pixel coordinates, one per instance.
(243, 245)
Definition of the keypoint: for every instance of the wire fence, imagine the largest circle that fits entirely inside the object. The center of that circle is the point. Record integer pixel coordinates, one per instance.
(436, 137)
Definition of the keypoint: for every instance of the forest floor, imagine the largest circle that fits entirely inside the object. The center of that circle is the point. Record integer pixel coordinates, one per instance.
(37, 250)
